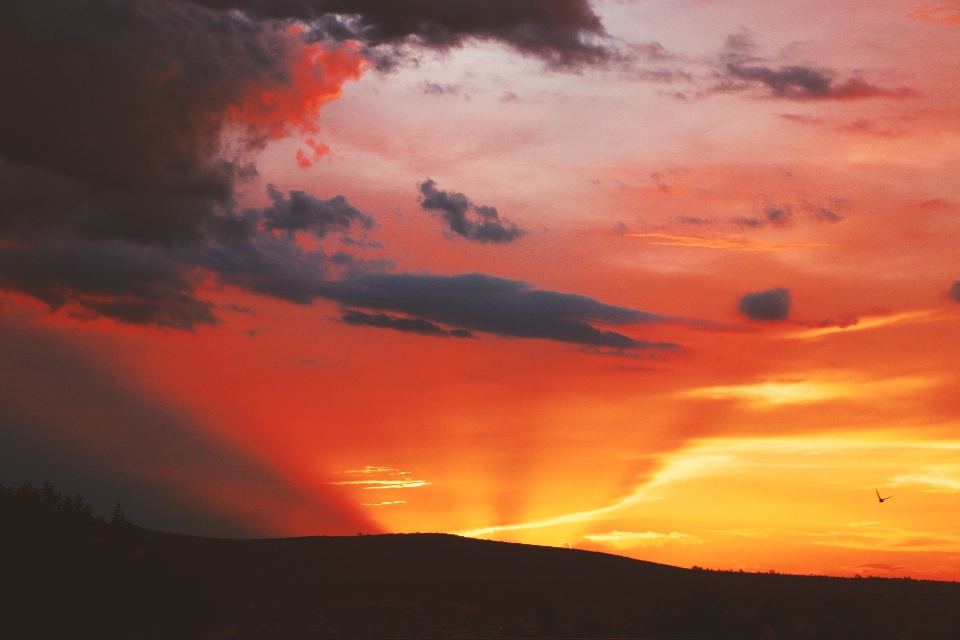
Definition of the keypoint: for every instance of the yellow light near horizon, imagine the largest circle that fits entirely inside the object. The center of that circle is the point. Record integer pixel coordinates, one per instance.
(777, 393)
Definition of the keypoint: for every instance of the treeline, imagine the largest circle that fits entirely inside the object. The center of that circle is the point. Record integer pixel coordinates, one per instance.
(69, 573)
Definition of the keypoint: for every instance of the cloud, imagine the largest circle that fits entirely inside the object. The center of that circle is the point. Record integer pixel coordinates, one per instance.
(411, 325)
(374, 478)
(824, 214)
(740, 71)
(302, 212)
(769, 394)
(562, 33)
(136, 120)
(630, 539)
(157, 285)
(943, 15)
(484, 226)
(769, 305)
(127, 127)
(937, 478)
(955, 291)
(129, 284)
(729, 244)
(480, 302)
(779, 215)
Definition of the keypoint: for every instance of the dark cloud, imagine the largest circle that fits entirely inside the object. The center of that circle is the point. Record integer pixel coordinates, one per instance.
(823, 214)
(955, 291)
(129, 284)
(410, 325)
(114, 114)
(484, 226)
(302, 212)
(127, 126)
(136, 120)
(157, 285)
(779, 215)
(772, 304)
(563, 33)
(479, 302)
(741, 70)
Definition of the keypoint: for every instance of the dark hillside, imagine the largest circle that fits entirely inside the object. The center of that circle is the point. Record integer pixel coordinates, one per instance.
(433, 585)
(67, 573)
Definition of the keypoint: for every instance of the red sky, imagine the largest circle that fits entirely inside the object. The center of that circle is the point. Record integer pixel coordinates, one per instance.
(724, 149)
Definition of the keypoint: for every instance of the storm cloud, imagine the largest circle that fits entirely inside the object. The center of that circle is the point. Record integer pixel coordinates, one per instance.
(126, 129)
(136, 120)
(485, 225)
(563, 33)
(769, 305)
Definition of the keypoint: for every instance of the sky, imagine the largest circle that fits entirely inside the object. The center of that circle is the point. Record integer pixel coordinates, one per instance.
(677, 280)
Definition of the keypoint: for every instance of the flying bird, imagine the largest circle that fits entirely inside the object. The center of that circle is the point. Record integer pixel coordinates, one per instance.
(882, 499)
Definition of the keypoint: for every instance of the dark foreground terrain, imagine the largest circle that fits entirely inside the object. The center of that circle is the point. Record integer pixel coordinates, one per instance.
(434, 586)
(65, 573)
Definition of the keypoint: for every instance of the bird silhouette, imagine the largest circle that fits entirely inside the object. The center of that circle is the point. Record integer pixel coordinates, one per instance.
(882, 499)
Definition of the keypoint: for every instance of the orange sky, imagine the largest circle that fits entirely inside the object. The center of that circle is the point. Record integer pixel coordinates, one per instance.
(755, 444)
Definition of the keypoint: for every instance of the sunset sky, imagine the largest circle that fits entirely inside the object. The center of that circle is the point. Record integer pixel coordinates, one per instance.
(677, 280)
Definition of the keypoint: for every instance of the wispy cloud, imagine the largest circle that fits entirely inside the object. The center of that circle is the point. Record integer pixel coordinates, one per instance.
(886, 539)
(937, 478)
(728, 244)
(869, 322)
(811, 390)
(372, 477)
(631, 539)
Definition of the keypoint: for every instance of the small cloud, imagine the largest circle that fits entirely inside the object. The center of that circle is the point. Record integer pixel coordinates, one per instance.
(823, 214)
(741, 71)
(313, 363)
(942, 15)
(880, 566)
(373, 477)
(437, 89)
(937, 479)
(801, 119)
(779, 215)
(955, 291)
(382, 504)
(744, 221)
(483, 226)
(767, 306)
(766, 394)
(730, 244)
(631, 539)
(861, 323)
(861, 524)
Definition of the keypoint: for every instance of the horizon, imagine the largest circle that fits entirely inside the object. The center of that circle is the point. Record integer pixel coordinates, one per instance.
(676, 281)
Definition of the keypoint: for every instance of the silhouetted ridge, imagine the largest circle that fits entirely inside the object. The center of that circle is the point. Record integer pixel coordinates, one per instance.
(68, 573)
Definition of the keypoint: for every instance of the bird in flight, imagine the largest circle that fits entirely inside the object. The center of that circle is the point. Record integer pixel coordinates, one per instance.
(882, 499)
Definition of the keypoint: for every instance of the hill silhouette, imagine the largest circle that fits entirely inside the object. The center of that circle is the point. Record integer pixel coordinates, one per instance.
(436, 585)
(66, 573)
